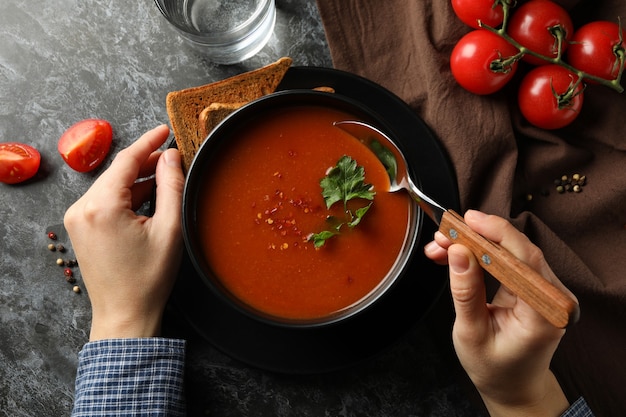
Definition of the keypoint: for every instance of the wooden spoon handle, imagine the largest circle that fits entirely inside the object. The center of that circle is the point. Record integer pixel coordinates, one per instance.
(552, 303)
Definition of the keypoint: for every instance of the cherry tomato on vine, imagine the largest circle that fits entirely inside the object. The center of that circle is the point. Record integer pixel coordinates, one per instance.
(85, 144)
(532, 25)
(480, 62)
(489, 12)
(18, 162)
(549, 97)
(596, 48)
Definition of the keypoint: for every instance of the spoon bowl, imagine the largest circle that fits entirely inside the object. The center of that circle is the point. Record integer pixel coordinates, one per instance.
(392, 158)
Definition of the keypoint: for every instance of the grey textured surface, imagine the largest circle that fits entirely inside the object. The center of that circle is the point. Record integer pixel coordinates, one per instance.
(65, 60)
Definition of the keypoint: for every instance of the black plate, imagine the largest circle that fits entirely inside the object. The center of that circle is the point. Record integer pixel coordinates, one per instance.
(323, 349)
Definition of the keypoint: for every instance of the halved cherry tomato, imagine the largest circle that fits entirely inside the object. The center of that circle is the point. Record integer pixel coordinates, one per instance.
(85, 144)
(549, 97)
(478, 62)
(18, 162)
(470, 12)
(532, 25)
(596, 47)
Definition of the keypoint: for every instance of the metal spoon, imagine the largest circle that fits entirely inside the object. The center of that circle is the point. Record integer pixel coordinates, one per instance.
(552, 303)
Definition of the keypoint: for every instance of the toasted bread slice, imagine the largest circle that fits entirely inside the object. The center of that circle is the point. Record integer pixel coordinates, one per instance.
(184, 106)
(211, 116)
(325, 89)
(214, 114)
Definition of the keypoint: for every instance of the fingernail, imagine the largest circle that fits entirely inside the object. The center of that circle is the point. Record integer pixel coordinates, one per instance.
(430, 247)
(476, 215)
(172, 158)
(459, 263)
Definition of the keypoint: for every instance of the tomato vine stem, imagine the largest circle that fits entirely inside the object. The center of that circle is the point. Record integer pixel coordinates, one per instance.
(557, 32)
(564, 100)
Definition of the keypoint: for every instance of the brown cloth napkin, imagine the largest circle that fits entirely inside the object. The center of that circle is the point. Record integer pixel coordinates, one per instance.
(500, 160)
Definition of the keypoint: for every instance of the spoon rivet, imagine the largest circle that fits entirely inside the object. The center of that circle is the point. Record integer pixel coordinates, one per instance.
(453, 234)
(486, 259)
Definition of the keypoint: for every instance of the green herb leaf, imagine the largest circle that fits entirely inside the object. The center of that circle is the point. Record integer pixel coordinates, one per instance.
(344, 182)
(386, 157)
(358, 215)
(319, 239)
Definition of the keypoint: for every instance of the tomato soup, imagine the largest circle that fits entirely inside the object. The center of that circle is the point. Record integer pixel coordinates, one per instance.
(261, 200)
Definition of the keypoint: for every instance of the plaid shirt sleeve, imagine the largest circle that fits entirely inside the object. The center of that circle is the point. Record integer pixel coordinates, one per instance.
(130, 377)
(578, 409)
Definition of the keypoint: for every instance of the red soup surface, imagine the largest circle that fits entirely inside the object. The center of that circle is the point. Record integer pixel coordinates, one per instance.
(262, 199)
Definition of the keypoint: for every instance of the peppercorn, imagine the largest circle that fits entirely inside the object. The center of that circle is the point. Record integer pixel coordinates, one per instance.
(76, 289)
(570, 184)
(68, 272)
(70, 263)
(70, 279)
(52, 235)
(60, 262)
(51, 247)
(60, 248)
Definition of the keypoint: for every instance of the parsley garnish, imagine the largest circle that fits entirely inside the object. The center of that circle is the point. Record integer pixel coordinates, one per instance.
(342, 183)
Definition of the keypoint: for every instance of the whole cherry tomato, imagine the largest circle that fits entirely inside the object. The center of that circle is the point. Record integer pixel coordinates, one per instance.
(533, 26)
(18, 162)
(596, 48)
(85, 144)
(480, 62)
(549, 97)
(488, 12)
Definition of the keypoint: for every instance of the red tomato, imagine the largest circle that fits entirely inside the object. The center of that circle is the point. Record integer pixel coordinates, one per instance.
(595, 49)
(18, 162)
(473, 60)
(531, 24)
(542, 98)
(488, 12)
(85, 144)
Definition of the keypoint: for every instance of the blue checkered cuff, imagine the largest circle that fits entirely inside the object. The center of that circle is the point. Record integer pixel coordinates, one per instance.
(578, 409)
(130, 377)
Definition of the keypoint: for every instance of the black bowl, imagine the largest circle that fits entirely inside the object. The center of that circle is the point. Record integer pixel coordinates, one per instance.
(201, 167)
